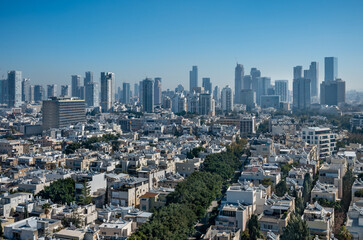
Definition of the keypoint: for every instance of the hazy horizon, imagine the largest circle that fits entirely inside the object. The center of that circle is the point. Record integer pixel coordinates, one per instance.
(51, 40)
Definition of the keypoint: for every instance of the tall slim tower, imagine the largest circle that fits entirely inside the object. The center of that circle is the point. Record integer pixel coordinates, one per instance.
(107, 91)
(126, 93)
(238, 82)
(207, 85)
(282, 89)
(25, 96)
(331, 68)
(255, 74)
(76, 84)
(51, 90)
(157, 91)
(298, 72)
(14, 88)
(227, 99)
(301, 93)
(314, 77)
(88, 78)
(193, 78)
(147, 91)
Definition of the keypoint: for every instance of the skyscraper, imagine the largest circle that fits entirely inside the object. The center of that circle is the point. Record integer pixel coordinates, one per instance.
(247, 82)
(76, 84)
(4, 92)
(263, 84)
(332, 92)
(331, 68)
(25, 96)
(88, 78)
(14, 88)
(136, 90)
(313, 75)
(51, 90)
(255, 74)
(207, 85)
(332, 89)
(107, 90)
(227, 99)
(301, 93)
(147, 91)
(193, 78)
(65, 90)
(157, 91)
(248, 98)
(206, 104)
(298, 72)
(282, 89)
(126, 93)
(238, 82)
(217, 94)
(92, 94)
(39, 93)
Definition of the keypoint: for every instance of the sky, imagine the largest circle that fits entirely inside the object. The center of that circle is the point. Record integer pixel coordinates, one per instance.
(51, 40)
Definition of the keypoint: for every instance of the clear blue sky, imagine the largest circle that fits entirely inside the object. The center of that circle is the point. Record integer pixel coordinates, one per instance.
(51, 40)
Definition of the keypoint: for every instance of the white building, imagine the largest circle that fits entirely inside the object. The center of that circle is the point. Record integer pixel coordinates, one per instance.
(227, 99)
(322, 137)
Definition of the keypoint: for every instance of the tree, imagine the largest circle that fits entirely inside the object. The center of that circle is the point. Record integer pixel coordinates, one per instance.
(245, 235)
(254, 228)
(307, 185)
(46, 207)
(61, 191)
(299, 206)
(344, 234)
(281, 188)
(296, 229)
(85, 197)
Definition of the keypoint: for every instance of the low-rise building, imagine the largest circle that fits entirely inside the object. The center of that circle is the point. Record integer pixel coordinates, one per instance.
(320, 220)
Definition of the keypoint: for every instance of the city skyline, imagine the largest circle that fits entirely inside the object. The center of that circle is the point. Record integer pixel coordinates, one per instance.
(169, 44)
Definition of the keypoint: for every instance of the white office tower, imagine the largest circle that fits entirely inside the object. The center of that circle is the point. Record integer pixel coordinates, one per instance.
(179, 103)
(227, 99)
(107, 91)
(282, 90)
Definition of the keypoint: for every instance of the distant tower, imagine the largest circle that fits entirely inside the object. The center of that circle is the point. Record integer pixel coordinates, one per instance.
(301, 93)
(193, 78)
(282, 89)
(314, 77)
(157, 91)
(107, 91)
(126, 93)
(298, 72)
(65, 90)
(331, 68)
(14, 88)
(207, 85)
(263, 83)
(238, 82)
(255, 74)
(227, 99)
(147, 91)
(51, 90)
(76, 84)
(25, 96)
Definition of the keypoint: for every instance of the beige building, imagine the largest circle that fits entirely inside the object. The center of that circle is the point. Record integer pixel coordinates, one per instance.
(119, 228)
(11, 147)
(320, 220)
